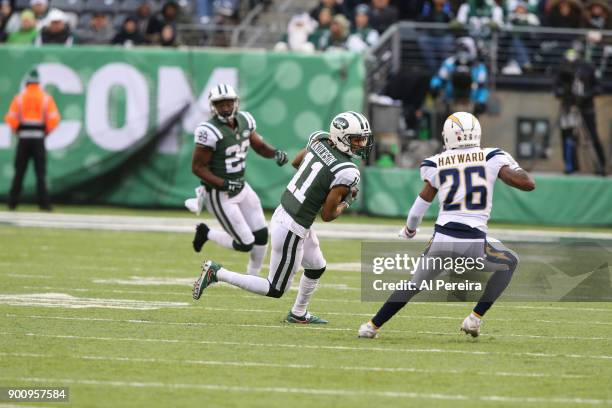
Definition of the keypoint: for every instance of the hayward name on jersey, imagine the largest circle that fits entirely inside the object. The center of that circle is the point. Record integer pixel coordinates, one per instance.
(322, 168)
(230, 146)
(465, 179)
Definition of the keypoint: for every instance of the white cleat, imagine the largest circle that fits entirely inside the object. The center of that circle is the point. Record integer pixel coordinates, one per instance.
(471, 325)
(368, 331)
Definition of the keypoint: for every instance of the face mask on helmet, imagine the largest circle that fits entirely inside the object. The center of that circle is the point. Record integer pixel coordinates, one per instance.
(223, 102)
(225, 109)
(361, 145)
(350, 132)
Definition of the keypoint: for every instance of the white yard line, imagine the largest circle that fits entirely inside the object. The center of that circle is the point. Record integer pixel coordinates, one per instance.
(319, 391)
(462, 305)
(324, 230)
(314, 346)
(286, 326)
(243, 363)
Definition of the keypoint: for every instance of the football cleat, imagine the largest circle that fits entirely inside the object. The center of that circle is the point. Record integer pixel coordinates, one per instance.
(471, 325)
(200, 237)
(306, 319)
(208, 276)
(368, 331)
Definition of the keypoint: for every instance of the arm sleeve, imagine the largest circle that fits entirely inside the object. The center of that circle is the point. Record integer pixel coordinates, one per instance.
(416, 213)
(348, 176)
(205, 136)
(53, 116)
(12, 116)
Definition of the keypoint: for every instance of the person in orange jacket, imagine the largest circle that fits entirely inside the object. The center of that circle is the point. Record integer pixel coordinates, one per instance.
(32, 116)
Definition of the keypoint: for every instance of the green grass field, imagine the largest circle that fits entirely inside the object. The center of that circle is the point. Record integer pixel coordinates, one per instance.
(148, 344)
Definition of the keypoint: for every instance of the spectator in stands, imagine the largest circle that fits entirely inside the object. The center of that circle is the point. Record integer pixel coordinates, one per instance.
(169, 15)
(56, 30)
(597, 15)
(333, 5)
(322, 30)
(463, 79)
(519, 54)
(300, 27)
(565, 14)
(382, 15)
(27, 33)
(98, 32)
(129, 35)
(143, 17)
(576, 86)
(6, 10)
(481, 16)
(436, 45)
(362, 36)
(168, 36)
(204, 10)
(40, 9)
(335, 38)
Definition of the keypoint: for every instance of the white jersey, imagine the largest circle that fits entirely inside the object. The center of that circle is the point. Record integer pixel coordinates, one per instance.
(465, 179)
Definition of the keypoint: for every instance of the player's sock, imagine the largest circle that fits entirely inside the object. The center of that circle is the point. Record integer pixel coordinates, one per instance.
(306, 289)
(256, 257)
(394, 304)
(254, 284)
(495, 287)
(221, 237)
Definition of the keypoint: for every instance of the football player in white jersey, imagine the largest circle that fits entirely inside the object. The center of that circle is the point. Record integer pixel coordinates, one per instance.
(463, 177)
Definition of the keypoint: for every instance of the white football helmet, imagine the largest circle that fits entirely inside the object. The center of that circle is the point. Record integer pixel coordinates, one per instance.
(461, 130)
(351, 125)
(223, 92)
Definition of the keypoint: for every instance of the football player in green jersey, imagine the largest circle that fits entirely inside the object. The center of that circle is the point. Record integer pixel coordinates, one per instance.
(219, 156)
(326, 181)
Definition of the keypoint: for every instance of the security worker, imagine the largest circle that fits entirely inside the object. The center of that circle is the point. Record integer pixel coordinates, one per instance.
(32, 116)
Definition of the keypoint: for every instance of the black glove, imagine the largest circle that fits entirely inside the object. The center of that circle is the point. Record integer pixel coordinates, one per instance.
(232, 186)
(280, 157)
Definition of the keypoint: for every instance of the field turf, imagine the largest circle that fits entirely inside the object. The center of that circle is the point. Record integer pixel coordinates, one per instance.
(146, 343)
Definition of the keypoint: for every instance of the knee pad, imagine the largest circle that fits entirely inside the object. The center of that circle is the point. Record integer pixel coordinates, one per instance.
(242, 247)
(261, 236)
(314, 273)
(274, 293)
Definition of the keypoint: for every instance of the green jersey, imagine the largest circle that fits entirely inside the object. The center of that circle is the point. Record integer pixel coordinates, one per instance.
(229, 145)
(322, 168)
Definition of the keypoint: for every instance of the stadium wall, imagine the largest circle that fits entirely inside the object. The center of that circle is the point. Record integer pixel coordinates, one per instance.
(114, 99)
(109, 150)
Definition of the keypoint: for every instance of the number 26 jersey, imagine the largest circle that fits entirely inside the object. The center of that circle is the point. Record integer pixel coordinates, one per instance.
(465, 179)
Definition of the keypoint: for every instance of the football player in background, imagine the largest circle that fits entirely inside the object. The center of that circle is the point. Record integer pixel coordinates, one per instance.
(326, 181)
(219, 156)
(464, 176)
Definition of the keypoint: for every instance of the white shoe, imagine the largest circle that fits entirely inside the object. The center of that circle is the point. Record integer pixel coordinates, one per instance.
(368, 331)
(471, 325)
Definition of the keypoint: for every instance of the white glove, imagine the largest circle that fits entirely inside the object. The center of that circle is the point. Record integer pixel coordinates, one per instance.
(405, 233)
(195, 205)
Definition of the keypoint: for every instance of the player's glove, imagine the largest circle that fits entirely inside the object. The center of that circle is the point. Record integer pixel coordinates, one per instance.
(232, 186)
(350, 197)
(280, 157)
(406, 233)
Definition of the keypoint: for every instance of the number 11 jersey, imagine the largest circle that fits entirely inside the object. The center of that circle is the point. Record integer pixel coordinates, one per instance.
(322, 168)
(465, 179)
